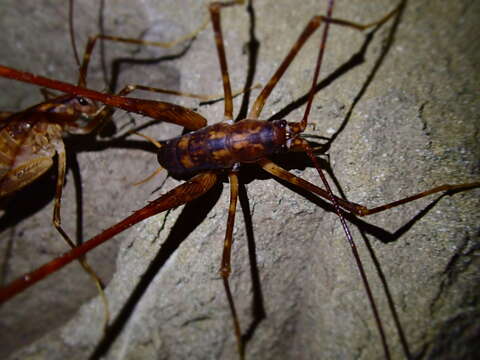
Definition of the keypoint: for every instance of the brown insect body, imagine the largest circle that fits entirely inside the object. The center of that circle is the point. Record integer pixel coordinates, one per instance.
(222, 145)
(30, 139)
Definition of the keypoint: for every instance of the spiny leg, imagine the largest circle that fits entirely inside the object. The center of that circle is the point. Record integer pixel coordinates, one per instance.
(360, 210)
(352, 207)
(60, 148)
(214, 9)
(57, 218)
(301, 144)
(186, 192)
(228, 114)
(107, 111)
(225, 268)
(172, 113)
(311, 27)
(309, 151)
(92, 41)
(217, 30)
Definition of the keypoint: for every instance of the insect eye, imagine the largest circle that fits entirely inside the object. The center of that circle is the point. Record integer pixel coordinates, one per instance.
(82, 101)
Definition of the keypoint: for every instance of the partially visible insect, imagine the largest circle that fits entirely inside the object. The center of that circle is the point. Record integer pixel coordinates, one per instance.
(31, 142)
(283, 311)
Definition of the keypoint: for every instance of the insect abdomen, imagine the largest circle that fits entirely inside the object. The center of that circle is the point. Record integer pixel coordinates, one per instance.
(222, 145)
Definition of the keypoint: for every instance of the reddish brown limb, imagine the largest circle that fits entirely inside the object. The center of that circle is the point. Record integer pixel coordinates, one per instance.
(180, 195)
(92, 41)
(329, 20)
(353, 247)
(217, 30)
(283, 174)
(201, 97)
(149, 177)
(311, 27)
(321, 51)
(158, 170)
(62, 163)
(352, 207)
(225, 268)
(360, 210)
(72, 32)
(441, 188)
(107, 111)
(155, 109)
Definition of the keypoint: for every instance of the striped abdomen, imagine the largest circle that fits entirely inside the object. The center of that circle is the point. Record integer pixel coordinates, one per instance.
(222, 145)
(26, 151)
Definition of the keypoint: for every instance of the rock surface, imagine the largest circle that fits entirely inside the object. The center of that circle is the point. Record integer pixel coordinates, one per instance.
(410, 113)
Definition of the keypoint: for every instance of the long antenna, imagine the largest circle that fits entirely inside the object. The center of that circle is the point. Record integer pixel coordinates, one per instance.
(310, 153)
(72, 32)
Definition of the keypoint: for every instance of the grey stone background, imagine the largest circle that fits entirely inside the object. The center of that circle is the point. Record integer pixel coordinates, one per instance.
(414, 125)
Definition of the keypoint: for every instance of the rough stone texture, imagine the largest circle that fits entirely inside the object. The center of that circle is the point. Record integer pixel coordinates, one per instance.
(414, 125)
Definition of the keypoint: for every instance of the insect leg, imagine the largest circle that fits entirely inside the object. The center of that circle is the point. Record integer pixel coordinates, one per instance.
(225, 268)
(272, 168)
(106, 112)
(360, 210)
(217, 29)
(92, 41)
(155, 109)
(311, 27)
(186, 192)
(62, 161)
(352, 207)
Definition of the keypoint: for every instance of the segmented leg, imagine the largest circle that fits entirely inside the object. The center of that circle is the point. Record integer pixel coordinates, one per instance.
(155, 109)
(352, 207)
(194, 122)
(255, 112)
(360, 210)
(217, 30)
(309, 151)
(107, 111)
(62, 164)
(92, 41)
(180, 195)
(225, 268)
(311, 27)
